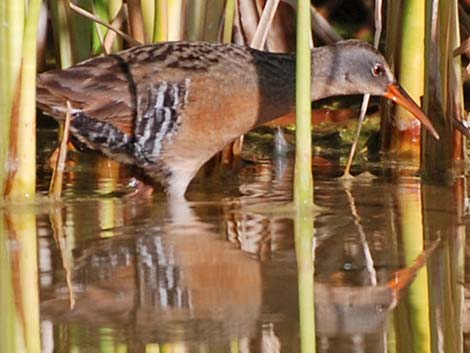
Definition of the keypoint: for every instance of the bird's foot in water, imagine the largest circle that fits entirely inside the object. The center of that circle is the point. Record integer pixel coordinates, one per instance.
(140, 189)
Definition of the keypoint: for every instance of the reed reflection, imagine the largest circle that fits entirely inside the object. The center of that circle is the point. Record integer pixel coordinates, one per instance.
(305, 255)
(445, 205)
(222, 277)
(163, 281)
(354, 292)
(412, 238)
(19, 292)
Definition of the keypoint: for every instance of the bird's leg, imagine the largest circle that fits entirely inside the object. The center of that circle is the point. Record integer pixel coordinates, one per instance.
(176, 186)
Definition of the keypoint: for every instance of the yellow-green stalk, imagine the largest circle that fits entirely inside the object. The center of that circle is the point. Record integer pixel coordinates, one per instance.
(228, 23)
(107, 340)
(22, 153)
(12, 16)
(234, 346)
(161, 21)
(175, 19)
(411, 74)
(82, 32)
(304, 230)
(173, 347)
(303, 181)
(109, 215)
(196, 19)
(99, 9)
(443, 98)
(113, 9)
(152, 348)
(215, 10)
(148, 11)
(61, 17)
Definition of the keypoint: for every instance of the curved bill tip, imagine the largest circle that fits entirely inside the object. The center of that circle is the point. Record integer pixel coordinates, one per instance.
(397, 94)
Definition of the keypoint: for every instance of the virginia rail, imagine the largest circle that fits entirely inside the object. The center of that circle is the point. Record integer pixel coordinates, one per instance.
(168, 108)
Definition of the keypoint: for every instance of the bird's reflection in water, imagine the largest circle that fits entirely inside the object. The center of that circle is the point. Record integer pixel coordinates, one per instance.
(176, 277)
(172, 277)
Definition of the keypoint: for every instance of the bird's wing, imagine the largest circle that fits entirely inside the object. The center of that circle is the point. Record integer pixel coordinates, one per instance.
(158, 116)
(100, 88)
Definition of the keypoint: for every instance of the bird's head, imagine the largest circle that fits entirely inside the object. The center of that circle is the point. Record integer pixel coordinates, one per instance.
(356, 67)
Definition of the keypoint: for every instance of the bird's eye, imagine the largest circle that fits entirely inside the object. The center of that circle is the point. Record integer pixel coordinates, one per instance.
(377, 70)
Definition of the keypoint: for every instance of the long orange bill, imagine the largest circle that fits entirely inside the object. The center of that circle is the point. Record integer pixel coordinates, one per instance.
(397, 94)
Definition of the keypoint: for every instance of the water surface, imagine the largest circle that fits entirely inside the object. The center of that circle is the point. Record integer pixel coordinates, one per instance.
(220, 273)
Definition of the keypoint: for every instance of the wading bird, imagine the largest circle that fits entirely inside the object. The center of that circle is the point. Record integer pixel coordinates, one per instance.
(168, 108)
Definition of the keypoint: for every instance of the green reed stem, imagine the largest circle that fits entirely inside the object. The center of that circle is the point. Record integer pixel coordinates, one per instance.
(214, 12)
(228, 24)
(196, 19)
(148, 12)
(160, 28)
(114, 6)
(61, 17)
(82, 32)
(412, 48)
(12, 16)
(22, 179)
(175, 19)
(411, 70)
(303, 181)
(99, 32)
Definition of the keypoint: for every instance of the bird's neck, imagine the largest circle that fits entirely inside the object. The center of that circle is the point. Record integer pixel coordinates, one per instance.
(276, 85)
(276, 78)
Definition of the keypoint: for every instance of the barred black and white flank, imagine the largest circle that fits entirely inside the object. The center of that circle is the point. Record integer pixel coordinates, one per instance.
(168, 108)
